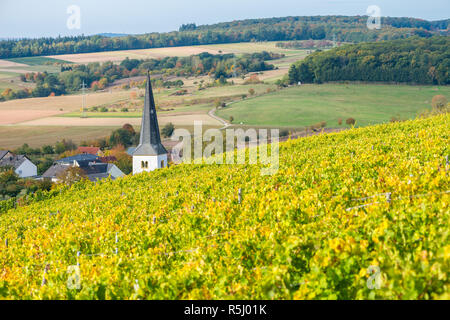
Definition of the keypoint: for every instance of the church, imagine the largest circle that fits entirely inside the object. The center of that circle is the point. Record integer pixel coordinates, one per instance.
(150, 154)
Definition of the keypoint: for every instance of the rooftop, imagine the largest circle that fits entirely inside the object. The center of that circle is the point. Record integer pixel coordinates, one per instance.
(89, 150)
(12, 161)
(3, 153)
(78, 158)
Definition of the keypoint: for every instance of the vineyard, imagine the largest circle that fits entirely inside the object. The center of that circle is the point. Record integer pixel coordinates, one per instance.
(343, 209)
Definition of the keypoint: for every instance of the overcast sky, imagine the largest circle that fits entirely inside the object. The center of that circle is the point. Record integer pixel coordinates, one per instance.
(38, 18)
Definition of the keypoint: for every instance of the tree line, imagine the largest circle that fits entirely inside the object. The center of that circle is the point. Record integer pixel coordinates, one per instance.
(342, 28)
(413, 60)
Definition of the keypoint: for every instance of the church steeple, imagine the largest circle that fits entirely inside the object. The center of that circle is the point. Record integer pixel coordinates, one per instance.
(150, 154)
(150, 140)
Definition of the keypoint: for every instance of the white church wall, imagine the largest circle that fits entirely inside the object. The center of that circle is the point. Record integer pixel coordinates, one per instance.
(150, 163)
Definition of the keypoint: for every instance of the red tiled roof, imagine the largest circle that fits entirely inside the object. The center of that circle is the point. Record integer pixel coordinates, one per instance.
(89, 150)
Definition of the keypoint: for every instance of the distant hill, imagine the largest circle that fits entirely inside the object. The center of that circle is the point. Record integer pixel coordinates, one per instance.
(414, 60)
(112, 35)
(339, 28)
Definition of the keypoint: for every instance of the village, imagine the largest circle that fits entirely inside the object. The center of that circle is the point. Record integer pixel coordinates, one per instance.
(89, 163)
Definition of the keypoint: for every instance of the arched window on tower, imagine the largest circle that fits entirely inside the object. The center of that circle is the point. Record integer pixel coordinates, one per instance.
(146, 164)
(162, 163)
(142, 164)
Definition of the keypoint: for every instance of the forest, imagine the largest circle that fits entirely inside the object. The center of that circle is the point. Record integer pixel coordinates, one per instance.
(341, 28)
(414, 60)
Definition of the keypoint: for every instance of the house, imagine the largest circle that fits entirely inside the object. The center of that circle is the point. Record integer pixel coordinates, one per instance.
(90, 150)
(150, 154)
(90, 164)
(22, 166)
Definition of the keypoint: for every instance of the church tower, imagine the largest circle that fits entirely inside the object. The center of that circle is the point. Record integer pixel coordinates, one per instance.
(150, 154)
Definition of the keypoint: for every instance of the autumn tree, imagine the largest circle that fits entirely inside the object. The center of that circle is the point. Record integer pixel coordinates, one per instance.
(6, 92)
(123, 160)
(129, 128)
(71, 176)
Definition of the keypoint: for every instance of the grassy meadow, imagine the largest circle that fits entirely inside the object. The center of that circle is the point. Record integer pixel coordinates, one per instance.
(37, 61)
(309, 104)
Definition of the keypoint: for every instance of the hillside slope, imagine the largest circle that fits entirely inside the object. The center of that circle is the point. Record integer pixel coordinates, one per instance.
(310, 231)
(413, 60)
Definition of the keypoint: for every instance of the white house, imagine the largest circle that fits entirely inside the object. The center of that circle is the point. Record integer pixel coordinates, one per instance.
(150, 154)
(22, 166)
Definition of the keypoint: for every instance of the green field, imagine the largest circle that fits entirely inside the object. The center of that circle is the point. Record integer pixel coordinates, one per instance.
(36, 61)
(309, 104)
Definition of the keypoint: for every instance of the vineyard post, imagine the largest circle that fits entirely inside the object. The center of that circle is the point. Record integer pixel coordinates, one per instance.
(446, 160)
(136, 286)
(78, 261)
(117, 240)
(6, 242)
(44, 281)
(239, 195)
(388, 197)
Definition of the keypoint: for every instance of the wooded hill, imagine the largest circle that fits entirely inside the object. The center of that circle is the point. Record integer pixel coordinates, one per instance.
(416, 61)
(340, 28)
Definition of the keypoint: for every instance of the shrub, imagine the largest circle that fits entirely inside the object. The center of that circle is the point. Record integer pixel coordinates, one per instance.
(47, 149)
(217, 103)
(438, 103)
(168, 129)
(350, 121)
(253, 80)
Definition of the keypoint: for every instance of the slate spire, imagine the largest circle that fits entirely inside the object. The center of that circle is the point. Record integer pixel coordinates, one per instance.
(150, 140)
